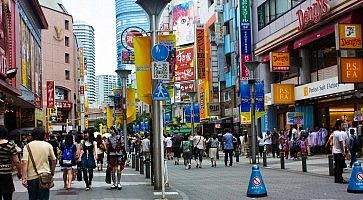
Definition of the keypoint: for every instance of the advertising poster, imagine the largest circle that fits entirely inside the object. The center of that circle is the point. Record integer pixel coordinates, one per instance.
(142, 48)
(246, 101)
(25, 55)
(200, 52)
(202, 99)
(170, 42)
(184, 69)
(183, 22)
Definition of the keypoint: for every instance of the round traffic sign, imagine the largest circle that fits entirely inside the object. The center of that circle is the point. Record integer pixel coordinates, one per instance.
(360, 176)
(160, 52)
(256, 181)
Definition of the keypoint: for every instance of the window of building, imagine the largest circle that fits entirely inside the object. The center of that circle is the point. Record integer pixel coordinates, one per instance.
(323, 53)
(273, 9)
(66, 24)
(66, 57)
(210, 2)
(67, 74)
(66, 41)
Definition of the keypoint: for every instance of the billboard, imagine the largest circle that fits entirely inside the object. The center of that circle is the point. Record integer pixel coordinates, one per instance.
(200, 53)
(183, 22)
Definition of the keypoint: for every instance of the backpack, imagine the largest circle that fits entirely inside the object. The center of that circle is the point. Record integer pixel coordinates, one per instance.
(186, 146)
(296, 145)
(68, 155)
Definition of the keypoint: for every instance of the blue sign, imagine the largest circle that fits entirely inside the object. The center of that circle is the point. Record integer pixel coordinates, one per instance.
(246, 41)
(196, 113)
(160, 93)
(246, 96)
(160, 52)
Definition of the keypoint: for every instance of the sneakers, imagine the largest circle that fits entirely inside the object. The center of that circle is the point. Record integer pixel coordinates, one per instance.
(113, 186)
(119, 187)
(88, 188)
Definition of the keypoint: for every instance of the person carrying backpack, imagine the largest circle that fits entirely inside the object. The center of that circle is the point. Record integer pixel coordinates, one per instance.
(68, 160)
(186, 146)
(353, 147)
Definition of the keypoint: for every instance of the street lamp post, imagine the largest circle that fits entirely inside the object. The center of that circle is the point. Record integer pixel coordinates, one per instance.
(154, 8)
(123, 74)
(251, 67)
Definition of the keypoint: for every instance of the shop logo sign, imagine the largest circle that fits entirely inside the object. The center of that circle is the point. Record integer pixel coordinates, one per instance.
(351, 70)
(279, 62)
(283, 94)
(58, 33)
(349, 36)
(306, 91)
(312, 14)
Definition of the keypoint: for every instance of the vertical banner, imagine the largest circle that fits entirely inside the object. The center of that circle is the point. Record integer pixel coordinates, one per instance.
(200, 52)
(246, 101)
(109, 117)
(50, 94)
(131, 105)
(170, 42)
(245, 37)
(142, 48)
(202, 99)
(188, 113)
(183, 22)
(184, 69)
(260, 97)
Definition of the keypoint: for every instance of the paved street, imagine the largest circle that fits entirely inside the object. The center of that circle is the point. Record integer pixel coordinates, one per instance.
(215, 183)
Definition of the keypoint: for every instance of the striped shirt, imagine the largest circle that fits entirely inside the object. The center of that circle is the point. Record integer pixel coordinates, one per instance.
(6, 151)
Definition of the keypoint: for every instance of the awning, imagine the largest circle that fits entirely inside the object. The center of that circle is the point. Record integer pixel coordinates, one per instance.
(323, 32)
(8, 88)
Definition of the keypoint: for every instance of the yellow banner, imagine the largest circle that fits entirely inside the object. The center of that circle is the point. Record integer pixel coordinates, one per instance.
(131, 105)
(142, 48)
(109, 117)
(202, 99)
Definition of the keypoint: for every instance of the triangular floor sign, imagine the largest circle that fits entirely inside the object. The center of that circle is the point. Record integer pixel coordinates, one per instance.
(160, 92)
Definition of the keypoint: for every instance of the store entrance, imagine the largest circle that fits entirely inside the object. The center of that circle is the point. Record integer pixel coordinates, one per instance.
(341, 115)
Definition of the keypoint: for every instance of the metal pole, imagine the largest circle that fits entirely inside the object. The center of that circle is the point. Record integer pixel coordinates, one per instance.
(303, 162)
(253, 122)
(192, 112)
(331, 165)
(157, 120)
(124, 88)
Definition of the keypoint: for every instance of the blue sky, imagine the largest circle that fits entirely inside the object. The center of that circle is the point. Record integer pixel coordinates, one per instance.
(101, 15)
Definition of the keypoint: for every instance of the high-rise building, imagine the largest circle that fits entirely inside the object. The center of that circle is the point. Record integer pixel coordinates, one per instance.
(85, 34)
(104, 86)
(128, 13)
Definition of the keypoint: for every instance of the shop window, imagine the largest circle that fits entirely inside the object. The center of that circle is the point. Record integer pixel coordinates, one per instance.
(66, 57)
(66, 24)
(67, 74)
(282, 7)
(66, 41)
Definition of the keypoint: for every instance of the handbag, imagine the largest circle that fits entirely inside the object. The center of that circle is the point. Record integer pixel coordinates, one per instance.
(108, 175)
(45, 178)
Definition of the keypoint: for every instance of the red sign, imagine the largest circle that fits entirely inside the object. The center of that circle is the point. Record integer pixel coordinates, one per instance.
(312, 14)
(130, 37)
(244, 71)
(184, 58)
(187, 87)
(81, 89)
(200, 53)
(184, 75)
(66, 105)
(50, 94)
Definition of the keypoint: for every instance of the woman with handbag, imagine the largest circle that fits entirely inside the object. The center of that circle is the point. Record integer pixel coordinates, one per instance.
(8, 155)
(68, 159)
(38, 152)
(88, 159)
(117, 156)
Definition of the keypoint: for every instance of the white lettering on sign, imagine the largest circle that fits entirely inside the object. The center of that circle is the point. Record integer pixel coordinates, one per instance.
(312, 14)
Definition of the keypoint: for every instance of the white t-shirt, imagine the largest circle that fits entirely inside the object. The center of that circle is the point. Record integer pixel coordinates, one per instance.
(145, 145)
(169, 143)
(338, 136)
(198, 141)
(294, 134)
(268, 139)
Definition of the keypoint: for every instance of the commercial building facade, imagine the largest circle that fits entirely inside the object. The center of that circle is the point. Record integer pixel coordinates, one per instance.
(85, 34)
(307, 31)
(60, 64)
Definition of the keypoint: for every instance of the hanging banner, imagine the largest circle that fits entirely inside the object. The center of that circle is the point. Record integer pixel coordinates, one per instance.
(202, 99)
(183, 22)
(195, 111)
(50, 94)
(142, 48)
(170, 42)
(348, 36)
(109, 115)
(279, 62)
(351, 70)
(131, 105)
(246, 101)
(245, 37)
(200, 52)
(283, 94)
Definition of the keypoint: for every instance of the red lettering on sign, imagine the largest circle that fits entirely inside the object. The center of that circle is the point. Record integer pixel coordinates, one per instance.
(312, 14)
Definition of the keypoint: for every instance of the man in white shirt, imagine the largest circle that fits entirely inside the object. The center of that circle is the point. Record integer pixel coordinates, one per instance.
(198, 145)
(338, 153)
(169, 145)
(145, 143)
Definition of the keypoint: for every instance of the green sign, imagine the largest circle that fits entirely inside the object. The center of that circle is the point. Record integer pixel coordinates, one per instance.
(245, 11)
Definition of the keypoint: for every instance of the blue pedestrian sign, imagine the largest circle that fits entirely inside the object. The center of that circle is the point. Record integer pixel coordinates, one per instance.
(160, 52)
(160, 93)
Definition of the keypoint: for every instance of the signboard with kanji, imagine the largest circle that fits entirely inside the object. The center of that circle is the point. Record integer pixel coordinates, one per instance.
(160, 70)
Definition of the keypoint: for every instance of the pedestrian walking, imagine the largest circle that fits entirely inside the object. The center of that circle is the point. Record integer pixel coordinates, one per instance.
(186, 146)
(8, 158)
(353, 147)
(117, 156)
(145, 143)
(261, 144)
(169, 147)
(213, 144)
(275, 142)
(88, 159)
(198, 148)
(36, 156)
(338, 153)
(176, 142)
(78, 143)
(68, 160)
(228, 147)
(101, 148)
(268, 142)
